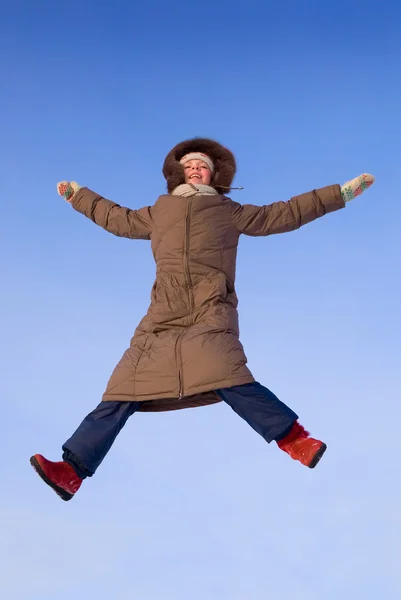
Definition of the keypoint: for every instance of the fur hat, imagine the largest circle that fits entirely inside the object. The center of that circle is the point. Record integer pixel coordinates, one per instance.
(223, 160)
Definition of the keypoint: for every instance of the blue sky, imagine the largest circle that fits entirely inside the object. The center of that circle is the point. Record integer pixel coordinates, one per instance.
(193, 504)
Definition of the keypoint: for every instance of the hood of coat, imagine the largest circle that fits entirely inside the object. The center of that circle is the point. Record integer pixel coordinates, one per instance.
(223, 159)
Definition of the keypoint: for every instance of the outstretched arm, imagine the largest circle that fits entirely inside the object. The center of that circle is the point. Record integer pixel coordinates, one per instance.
(116, 219)
(281, 217)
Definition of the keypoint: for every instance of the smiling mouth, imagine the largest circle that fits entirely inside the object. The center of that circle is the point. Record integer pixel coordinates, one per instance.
(195, 177)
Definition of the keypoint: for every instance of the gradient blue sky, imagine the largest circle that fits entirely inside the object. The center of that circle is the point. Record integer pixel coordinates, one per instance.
(194, 504)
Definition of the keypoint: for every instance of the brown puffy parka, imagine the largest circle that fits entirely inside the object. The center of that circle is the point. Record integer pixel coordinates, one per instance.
(187, 345)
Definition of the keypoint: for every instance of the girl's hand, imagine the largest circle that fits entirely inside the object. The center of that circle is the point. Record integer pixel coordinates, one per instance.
(356, 186)
(67, 189)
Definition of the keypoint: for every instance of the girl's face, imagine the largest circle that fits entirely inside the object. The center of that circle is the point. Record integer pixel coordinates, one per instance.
(196, 171)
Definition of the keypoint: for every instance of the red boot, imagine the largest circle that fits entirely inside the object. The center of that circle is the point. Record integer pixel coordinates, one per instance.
(301, 447)
(59, 475)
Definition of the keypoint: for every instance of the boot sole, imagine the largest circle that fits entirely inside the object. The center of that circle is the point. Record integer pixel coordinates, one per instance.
(317, 456)
(64, 495)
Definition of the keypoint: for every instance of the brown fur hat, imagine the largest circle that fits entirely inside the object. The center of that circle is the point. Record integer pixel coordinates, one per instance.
(223, 160)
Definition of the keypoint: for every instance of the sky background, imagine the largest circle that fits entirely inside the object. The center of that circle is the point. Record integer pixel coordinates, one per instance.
(194, 504)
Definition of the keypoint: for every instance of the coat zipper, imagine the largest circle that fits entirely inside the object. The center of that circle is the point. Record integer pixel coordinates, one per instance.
(178, 358)
(186, 253)
(188, 279)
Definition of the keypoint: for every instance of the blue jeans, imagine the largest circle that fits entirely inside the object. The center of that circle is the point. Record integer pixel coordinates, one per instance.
(89, 444)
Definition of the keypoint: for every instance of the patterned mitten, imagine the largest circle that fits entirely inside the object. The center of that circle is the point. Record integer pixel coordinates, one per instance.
(67, 189)
(356, 186)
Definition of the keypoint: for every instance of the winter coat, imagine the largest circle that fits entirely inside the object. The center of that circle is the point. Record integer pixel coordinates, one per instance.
(187, 345)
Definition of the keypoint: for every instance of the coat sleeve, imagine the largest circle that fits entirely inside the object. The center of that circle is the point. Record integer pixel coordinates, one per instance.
(116, 219)
(281, 217)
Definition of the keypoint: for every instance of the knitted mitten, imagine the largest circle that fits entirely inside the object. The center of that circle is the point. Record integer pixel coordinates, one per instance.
(67, 189)
(356, 186)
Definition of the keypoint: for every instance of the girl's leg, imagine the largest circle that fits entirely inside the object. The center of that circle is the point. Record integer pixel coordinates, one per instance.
(273, 420)
(85, 449)
(89, 444)
(261, 409)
